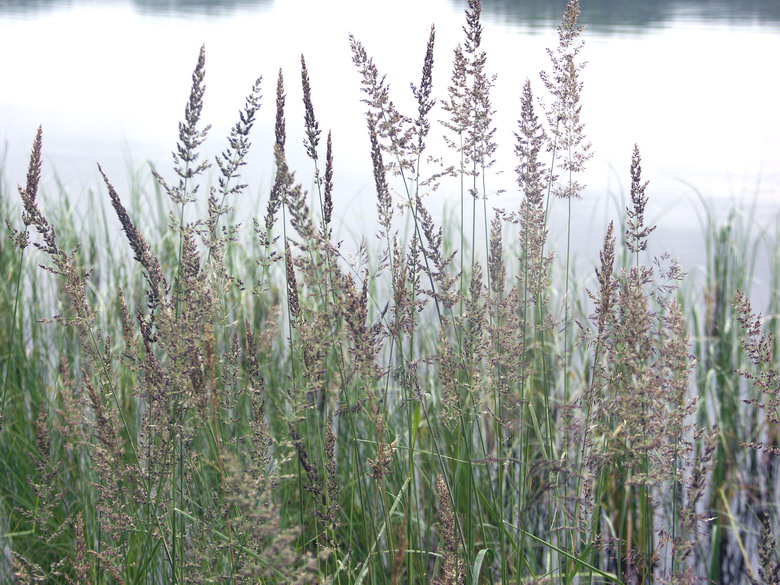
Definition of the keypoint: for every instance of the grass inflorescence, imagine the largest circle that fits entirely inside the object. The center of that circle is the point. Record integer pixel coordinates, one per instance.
(253, 406)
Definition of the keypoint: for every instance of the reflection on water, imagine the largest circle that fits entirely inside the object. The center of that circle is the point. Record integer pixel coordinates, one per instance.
(195, 7)
(13, 7)
(172, 7)
(634, 15)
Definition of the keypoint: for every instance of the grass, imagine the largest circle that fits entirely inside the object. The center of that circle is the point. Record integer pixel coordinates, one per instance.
(225, 405)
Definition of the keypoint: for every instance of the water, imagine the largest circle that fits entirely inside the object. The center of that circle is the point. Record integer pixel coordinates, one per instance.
(693, 82)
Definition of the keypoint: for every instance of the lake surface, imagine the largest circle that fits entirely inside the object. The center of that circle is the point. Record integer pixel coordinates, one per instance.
(693, 82)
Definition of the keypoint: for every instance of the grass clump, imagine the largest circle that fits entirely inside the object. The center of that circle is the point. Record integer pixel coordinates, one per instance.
(257, 408)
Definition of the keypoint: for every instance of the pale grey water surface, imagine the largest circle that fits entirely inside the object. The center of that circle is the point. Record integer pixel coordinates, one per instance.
(693, 82)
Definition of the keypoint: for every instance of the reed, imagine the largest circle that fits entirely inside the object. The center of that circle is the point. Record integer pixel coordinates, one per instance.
(215, 404)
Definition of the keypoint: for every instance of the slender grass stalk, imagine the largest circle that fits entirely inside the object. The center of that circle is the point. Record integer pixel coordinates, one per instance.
(405, 419)
(21, 240)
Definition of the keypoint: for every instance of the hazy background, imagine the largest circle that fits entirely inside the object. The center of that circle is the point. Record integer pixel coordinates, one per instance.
(693, 82)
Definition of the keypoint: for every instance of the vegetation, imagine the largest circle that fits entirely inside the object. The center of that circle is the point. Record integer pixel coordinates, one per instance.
(252, 407)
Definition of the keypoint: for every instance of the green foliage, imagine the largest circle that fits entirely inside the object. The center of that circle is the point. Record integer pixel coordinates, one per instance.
(251, 407)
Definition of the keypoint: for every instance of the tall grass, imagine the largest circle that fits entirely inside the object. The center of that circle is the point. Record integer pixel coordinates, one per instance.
(248, 406)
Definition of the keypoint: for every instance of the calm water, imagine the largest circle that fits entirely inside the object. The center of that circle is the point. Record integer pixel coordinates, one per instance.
(693, 82)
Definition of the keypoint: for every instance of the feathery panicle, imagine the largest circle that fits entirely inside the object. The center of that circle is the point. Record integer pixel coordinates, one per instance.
(473, 28)
(158, 286)
(380, 467)
(473, 342)
(191, 137)
(673, 368)
(29, 193)
(300, 216)
(434, 252)
(423, 94)
(354, 311)
(769, 569)
(284, 178)
(447, 375)
(759, 347)
(405, 279)
(48, 486)
(384, 202)
(457, 105)
(328, 204)
(261, 438)
(569, 144)
(481, 131)
(688, 543)
(63, 264)
(401, 298)
(70, 421)
(533, 236)
(315, 486)
(605, 301)
(674, 361)
(230, 162)
(313, 131)
(634, 315)
(104, 423)
(412, 266)
(280, 126)
(452, 572)
(292, 287)
(234, 157)
(631, 351)
(651, 367)
(373, 86)
(42, 437)
(394, 130)
(480, 144)
(530, 139)
(254, 513)
(756, 344)
(333, 509)
(190, 263)
(34, 168)
(531, 174)
(569, 30)
(80, 562)
(496, 268)
(636, 231)
(31, 214)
